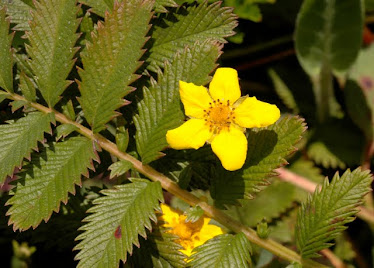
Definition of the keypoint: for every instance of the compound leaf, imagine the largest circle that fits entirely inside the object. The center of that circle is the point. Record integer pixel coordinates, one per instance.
(47, 180)
(224, 250)
(111, 60)
(118, 218)
(202, 22)
(19, 138)
(6, 73)
(52, 38)
(267, 148)
(160, 110)
(322, 217)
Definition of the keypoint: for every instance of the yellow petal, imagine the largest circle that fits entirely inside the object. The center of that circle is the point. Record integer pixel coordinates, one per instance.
(254, 113)
(195, 99)
(169, 216)
(192, 134)
(231, 148)
(225, 85)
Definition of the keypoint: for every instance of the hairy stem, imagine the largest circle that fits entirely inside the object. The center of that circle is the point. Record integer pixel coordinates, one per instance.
(173, 188)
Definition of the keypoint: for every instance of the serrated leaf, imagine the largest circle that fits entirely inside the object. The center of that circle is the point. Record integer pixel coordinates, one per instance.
(64, 130)
(119, 168)
(6, 73)
(194, 213)
(321, 29)
(283, 91)
(98, 6)
(17, 104)
(267, 148)
(19, 138)
(110, 62)
(52, 38)
(27, 87)
(19, 14)
(201, 23)
(3, 95)
(161, 5)
(323, 216)
(160, 110)
(46, 181)
(159, 250)
(331, 149)
(118, 218)
(224, 250)
(23, 64)
(269, 204)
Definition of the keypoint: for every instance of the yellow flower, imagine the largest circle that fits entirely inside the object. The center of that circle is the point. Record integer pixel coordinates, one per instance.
(190, 234)
(219, 116)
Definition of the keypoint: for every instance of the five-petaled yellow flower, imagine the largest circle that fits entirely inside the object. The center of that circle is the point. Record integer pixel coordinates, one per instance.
(191, 234)
(220, 116)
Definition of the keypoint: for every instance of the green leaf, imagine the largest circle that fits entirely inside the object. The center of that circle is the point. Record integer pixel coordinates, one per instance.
(160, 110)
(267, 148)
(158, 250)
(224, 250)
(323, 216)
(19, 138)
(160, 5)
(6, 73)
(119, 168)
(332, 150)
(117, 220)
(110, 62)
(283, 91)
(27, 87)
(359, 92)
(201, 23)
(194, 213)
(269, 203)
(52, 39)
(98, 6)
(19, 13)
(46, 181)
(321, 29)
(64, 130)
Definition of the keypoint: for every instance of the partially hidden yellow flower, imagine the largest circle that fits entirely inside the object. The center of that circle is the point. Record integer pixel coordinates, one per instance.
(191, 234)
(219, 116)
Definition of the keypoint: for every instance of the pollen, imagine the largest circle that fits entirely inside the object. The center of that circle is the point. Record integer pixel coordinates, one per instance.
(218, 116)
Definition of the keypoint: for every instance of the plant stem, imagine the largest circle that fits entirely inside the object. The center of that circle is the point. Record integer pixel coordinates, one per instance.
(173, 188)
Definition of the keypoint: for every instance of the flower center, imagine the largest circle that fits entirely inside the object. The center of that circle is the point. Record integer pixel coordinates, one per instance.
(219, 115)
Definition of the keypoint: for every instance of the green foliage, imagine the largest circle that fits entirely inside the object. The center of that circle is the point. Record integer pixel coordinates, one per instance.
(323, 216)
(224, 250)
(19, 13)
(359, 94)
(194, 213)
(160, 110)
(160, 5)
(47, 180)
(27, 87)
(267, 148)
(19, 138)
(248, 9)
(118, 218)
(109, 66)
(6, 75)
(331, 149)
(119, 168)
(269, 204)
(202, 22)
(158, 250)
(52, 38)
(319, 35)
(283, 91)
